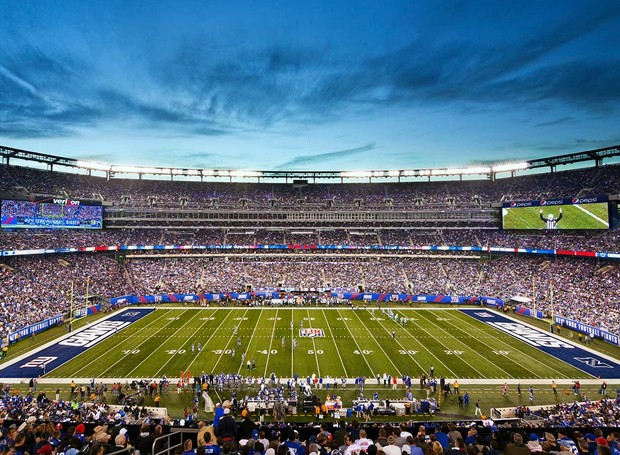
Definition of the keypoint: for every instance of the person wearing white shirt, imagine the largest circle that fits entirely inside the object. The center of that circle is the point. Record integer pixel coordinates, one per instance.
(392, 448)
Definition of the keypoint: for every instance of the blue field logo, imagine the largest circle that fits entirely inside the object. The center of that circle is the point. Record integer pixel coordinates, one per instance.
(311, 333)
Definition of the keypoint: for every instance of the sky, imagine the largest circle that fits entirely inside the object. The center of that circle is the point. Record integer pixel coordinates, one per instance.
(313, 85)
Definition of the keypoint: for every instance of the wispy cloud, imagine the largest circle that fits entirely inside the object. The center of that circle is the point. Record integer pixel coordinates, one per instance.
(559, 121)
(320, 158)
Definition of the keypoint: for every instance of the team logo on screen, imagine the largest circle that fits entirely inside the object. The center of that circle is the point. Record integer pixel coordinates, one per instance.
(311, 333)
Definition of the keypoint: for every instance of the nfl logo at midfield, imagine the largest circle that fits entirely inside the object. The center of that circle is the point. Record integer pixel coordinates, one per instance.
(312, 333)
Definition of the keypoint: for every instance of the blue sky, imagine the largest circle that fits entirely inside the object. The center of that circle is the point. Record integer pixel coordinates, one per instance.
(287, 85)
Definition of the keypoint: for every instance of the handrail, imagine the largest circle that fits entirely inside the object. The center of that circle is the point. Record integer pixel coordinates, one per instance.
(167, 448)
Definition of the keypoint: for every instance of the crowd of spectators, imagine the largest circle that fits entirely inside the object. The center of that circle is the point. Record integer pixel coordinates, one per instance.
(279, 196)
(44, 426)
(606, 241)
(581, 289)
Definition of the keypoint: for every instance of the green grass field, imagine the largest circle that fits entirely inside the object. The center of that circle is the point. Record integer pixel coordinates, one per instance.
(355, 343)
(582, 216)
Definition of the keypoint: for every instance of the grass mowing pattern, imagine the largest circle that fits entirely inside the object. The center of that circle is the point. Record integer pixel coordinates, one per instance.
(356, 343)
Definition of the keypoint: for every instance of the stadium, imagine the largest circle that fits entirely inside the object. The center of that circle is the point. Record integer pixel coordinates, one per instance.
(309, 228)
(405, 297)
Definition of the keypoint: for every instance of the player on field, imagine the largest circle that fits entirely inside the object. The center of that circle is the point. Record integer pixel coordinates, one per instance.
(551, 222)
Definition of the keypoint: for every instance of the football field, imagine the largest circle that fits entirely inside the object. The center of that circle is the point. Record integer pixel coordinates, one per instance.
(330, 342)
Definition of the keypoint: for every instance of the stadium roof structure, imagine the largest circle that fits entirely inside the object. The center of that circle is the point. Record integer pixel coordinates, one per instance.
(302, 176)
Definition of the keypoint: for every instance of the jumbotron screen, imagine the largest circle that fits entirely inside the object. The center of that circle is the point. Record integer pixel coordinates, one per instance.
(577, 213)
(57, 213)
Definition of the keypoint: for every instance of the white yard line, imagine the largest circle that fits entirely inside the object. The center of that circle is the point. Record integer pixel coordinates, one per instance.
(249, 342)
(372, 373)
(214, 369)
(155, 350)
(292, 350)
(316, 357)
(470, 348)
(591, 214)
(182, 346)
(378, 344)
(407, 349)
(344, 368)
(273, 331)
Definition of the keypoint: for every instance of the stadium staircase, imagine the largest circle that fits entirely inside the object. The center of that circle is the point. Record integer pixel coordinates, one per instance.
(127, 276)
(585, 192)
(478, 242)
(407, 282)
(604, 270)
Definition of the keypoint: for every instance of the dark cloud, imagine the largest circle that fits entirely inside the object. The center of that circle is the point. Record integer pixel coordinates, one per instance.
(99, 157)
(323, 157)
(559, 121)
(430, 72)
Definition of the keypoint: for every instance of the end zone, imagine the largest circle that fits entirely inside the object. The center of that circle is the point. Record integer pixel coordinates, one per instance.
(584, 359)
(46, 358)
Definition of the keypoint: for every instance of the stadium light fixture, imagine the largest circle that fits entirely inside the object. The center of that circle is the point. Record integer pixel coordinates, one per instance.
(157, 170)
(461, 171)
(178, 171)
(474, 170)
(356, 174)
(92, 165)
(508, 167)
(126, 169)
(246, 174)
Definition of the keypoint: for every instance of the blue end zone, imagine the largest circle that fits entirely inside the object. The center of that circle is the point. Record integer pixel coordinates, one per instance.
(585, 360)
(70, 346)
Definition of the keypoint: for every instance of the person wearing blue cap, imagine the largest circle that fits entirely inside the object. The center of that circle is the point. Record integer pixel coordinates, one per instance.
(591, 440)
(534, 443)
